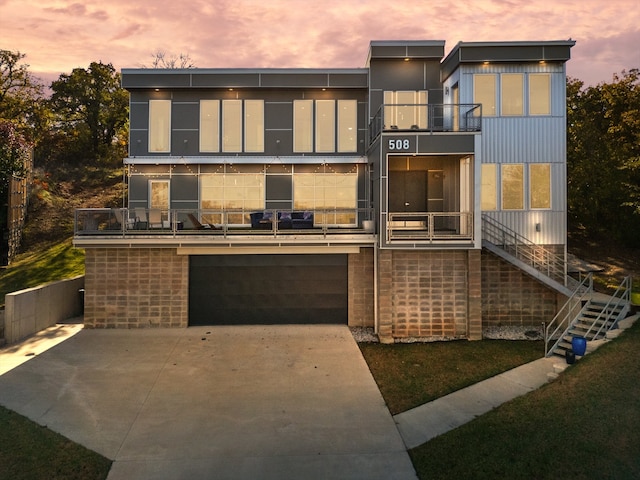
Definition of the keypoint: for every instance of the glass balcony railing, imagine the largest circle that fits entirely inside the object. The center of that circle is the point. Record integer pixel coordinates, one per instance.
(427, 118)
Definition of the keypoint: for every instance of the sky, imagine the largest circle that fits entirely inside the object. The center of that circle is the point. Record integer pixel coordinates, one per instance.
(60, 35)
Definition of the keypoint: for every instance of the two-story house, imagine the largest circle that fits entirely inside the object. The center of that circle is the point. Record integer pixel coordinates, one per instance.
(381, 196)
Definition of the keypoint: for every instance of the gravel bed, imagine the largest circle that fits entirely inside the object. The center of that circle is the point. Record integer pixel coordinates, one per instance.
(367, 335)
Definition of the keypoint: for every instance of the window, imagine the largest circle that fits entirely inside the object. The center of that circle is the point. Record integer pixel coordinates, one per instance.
(331, 193)
(347, 126)
(160, 126)
(488, 192)
(405, 110)
(484, 92)
(512, 94)
(540, 94)
(303, 125)
(159, 194)
(232, 125)
(241, 190)
(540, 185)
(254, 126)
(209, 125)
(325, 126)
(512, 187)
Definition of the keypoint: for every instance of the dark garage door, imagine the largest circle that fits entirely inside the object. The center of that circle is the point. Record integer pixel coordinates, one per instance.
(267, 289)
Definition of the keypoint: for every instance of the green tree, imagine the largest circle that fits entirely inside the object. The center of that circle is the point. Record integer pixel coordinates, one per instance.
(90, 111)
(603, 157)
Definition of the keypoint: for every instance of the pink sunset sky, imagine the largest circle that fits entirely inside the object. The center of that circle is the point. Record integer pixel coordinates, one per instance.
(59, 35)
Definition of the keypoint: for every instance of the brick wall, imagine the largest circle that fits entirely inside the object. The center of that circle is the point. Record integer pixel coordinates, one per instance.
(429, 293)
(136, 288)
(510, 297)
(361, 298)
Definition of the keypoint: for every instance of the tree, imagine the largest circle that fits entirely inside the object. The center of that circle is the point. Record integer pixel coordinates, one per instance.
(603, 157)
(90, 114)
(162, 60)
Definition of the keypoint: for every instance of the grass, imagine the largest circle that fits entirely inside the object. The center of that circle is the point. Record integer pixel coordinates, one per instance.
(54, 262)
(584, 425)
(409, 375)
(29, 451)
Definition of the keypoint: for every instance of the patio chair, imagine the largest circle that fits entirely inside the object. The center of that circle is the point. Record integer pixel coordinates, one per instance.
(196, 223)
(155, 218)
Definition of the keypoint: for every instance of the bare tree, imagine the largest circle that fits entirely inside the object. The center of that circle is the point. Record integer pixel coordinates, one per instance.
(163, 60)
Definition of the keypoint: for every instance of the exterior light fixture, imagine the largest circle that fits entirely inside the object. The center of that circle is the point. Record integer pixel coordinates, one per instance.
(406, 59)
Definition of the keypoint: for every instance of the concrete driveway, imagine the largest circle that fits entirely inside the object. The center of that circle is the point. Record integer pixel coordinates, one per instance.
(255, 402)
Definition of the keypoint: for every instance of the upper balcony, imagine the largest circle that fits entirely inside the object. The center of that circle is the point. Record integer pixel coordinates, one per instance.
(426, 117)
(230, 227)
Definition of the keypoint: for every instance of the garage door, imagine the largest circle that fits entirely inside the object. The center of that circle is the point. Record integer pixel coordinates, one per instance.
(267, 289)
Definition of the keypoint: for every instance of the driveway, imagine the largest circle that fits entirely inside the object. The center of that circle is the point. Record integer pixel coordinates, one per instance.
(268, 402)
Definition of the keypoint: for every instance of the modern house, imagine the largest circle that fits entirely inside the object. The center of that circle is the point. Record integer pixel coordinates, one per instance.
(423, 195)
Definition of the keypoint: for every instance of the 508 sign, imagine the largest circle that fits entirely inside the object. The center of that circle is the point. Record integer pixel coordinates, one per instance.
(399, 144)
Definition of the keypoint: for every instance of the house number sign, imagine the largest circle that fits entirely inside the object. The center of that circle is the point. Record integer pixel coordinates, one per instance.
(399, 144)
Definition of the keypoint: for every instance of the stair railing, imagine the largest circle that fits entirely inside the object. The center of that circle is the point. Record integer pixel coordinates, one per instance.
(562, 321)
(615, 306)
(536, 256)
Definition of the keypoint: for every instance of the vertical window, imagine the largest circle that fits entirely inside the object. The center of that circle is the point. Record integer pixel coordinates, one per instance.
(347, 125)
(540, 94)
(512, 187)
(405, 110)
(325, 126)
(210, 125)
(254, 126)
(232, 125)
(540, 185)
(512, 94)
(303, 125)
(484, 92)
(159, 125)
(159, 194)
(488, 192)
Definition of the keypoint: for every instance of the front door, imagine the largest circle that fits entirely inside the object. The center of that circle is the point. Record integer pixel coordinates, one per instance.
(408, 191)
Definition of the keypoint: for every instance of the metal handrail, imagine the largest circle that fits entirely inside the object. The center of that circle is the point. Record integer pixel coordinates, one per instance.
(567, 314)
(534, 255)
(622, 294)
(455, 225)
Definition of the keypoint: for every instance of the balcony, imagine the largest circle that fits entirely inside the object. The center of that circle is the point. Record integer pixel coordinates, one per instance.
(426, 118)
(421, 228)
(106, 226)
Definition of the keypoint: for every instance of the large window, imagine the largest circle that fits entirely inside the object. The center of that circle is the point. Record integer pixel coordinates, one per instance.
(325, 126)
(239, 191)
(159, 194)
(232, 125)
(484, 92)
(513, 187)
(540, 94)
(347, 125)
(210, 125)
(303, 125)
(160, 126)
(331, 193)
(405, 110)
(512, 94)
(489, 191)
(540, 185)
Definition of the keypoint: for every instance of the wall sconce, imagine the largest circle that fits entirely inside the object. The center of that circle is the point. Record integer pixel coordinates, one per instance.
(537, 227)
(446, 90)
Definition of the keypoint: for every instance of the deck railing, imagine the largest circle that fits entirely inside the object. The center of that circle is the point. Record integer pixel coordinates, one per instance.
(145, 221)
(429, 227)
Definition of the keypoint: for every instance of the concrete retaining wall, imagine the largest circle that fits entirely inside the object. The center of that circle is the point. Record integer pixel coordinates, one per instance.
(31, 310)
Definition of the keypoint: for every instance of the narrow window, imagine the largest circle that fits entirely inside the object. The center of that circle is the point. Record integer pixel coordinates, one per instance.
(540, 94)
(210, 125)
(303, 125)
(488, 192)
(232, 125)
(484, 92)
(160, 126)
(512, 94)
(513, 187)
(540, 185)
(254, 126)
(347, 125)
(325, 126)
(159, 194)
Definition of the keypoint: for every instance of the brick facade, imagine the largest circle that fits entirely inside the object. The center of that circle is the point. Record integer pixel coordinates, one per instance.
(429, 293)
(510, 297)
(136, 288)
(361, 296)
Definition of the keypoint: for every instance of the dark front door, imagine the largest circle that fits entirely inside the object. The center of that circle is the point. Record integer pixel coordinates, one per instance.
(267, 289)
(408, 191)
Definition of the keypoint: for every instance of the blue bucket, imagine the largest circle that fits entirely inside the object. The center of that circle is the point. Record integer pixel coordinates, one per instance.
(579, 345)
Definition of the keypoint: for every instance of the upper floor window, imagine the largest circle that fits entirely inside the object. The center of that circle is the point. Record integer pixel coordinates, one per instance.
(210, 125)
(512, 94)
(240, 121)
(540, 185)
(513, 187)
(160, 126)
(539, 94)
(405, 110)
(484, 92)
(335, 122)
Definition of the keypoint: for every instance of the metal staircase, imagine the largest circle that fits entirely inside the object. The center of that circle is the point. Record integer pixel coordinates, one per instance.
(585, 314)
